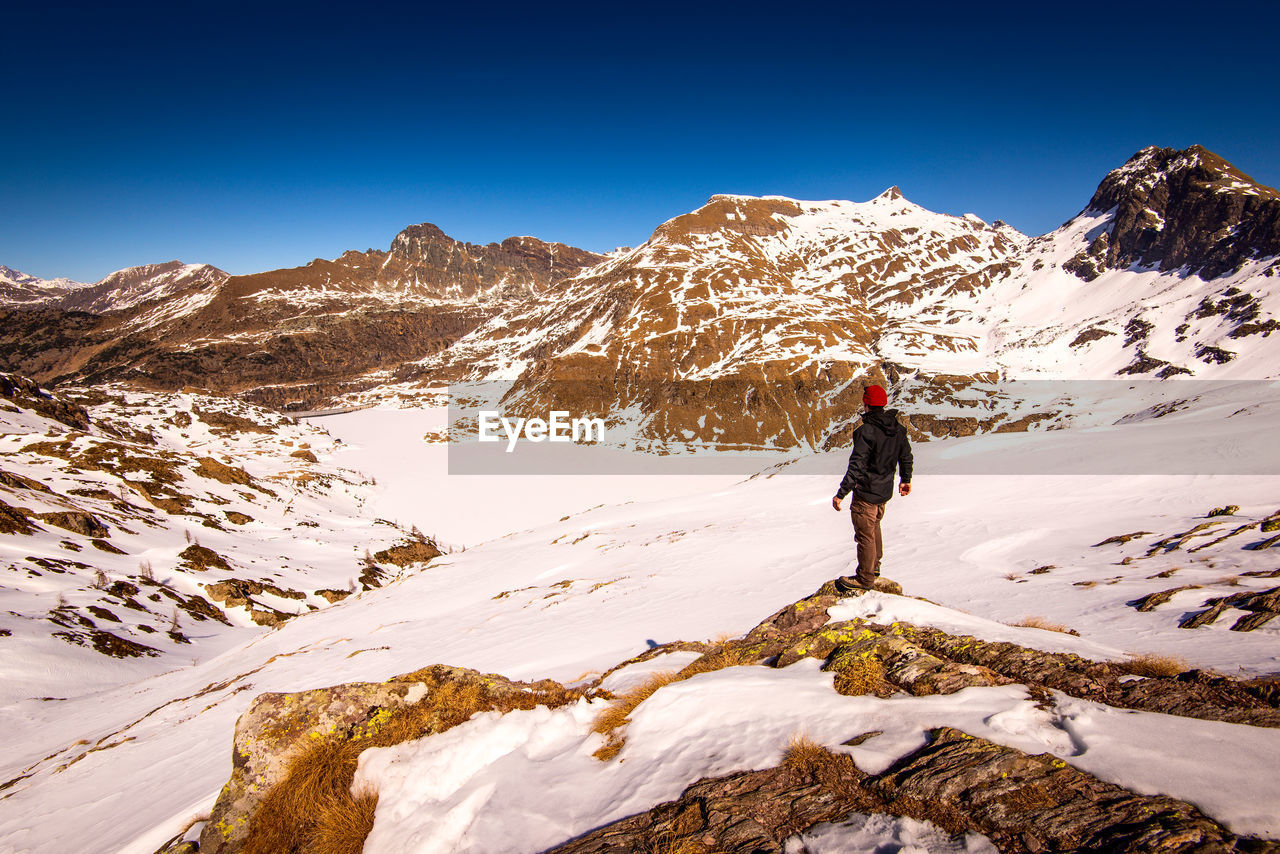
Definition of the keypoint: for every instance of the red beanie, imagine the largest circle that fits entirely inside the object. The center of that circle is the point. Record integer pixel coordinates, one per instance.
(874, 395)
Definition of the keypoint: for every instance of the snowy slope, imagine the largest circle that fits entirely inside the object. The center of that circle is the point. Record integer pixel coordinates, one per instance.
(583, 594)
(172, 528)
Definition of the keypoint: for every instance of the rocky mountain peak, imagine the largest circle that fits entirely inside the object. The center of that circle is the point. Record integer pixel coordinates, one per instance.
(414, 236)
(892, 194)
(430, 255)
(1186, 208)
(759, 216)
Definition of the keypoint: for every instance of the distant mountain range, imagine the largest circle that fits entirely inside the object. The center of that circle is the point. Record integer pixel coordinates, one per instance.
(749, 322)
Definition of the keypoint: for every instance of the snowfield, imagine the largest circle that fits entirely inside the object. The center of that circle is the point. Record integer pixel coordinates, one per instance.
(125, 768)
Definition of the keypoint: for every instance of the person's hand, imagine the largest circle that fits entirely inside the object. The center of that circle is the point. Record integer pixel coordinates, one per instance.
(904, 489)
(836, 501)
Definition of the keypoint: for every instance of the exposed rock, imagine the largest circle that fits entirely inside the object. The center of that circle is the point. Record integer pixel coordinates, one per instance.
(15, 520)
(1213, 355)
(1093, 333)
(957, 781)
(76, 521)
(1249, 622)
(273, 728)
(1264, 603)
(1194, 695)
(238, 593)
(1142, 364)
(1121, 539)
(17, 481)
(1189, 208)
(404, 554)
(28, 394)
(961, 783)
(104, 546)
(295, 336)
(1152, 600)
(223, 473)
(198, 558)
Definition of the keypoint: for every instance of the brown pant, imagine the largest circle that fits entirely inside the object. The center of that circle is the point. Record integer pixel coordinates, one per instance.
(866, 533)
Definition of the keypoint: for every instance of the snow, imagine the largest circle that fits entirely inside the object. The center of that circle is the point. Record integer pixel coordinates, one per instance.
(691, 564)
(388, 445)
(881, 834)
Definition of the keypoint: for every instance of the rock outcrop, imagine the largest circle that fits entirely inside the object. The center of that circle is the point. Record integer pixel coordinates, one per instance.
(1188, 208)
(961, 783)
(278, 727)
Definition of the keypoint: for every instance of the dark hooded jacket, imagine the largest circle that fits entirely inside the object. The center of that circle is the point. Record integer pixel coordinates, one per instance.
(879, 445)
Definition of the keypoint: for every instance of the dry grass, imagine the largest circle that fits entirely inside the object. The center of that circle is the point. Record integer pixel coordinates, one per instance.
(863, 676)
(805, 757)
(1085, 584)
(343, 823)
(316, 783)
(1151, 664)
(807, 760)
(718, 658)
(1229, 580)
(670, 843)
(1011, 576)
(1034, 622)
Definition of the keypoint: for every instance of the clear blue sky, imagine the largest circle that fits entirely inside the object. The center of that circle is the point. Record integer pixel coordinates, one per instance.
(261, 135)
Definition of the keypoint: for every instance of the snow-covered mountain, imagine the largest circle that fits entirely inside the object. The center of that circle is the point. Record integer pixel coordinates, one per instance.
(786, 306)
(297, 336)
(123, 289)
(788, 300)
(1171, 270)
(18, 288)
(135, 286)
(789, 307)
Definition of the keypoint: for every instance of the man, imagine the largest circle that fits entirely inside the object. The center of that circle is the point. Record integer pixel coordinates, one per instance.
(879, 445)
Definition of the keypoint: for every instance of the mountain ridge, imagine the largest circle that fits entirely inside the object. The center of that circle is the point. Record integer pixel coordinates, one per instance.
(1167, 271)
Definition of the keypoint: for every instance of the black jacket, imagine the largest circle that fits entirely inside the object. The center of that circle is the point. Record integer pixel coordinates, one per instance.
(879, 445)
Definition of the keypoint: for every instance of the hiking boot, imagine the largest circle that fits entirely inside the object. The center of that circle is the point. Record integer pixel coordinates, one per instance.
(850, 584)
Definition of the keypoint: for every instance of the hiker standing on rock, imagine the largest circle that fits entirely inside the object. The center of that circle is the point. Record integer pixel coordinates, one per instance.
(880, 444)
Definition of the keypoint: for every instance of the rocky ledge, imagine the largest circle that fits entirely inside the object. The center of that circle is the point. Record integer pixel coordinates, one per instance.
(959, 782)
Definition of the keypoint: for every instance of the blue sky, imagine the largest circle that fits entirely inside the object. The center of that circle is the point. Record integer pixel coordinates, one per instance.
(261, 135)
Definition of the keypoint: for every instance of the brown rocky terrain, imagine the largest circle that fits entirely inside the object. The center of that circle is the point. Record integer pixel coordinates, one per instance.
(284, 337)
(783, 307)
